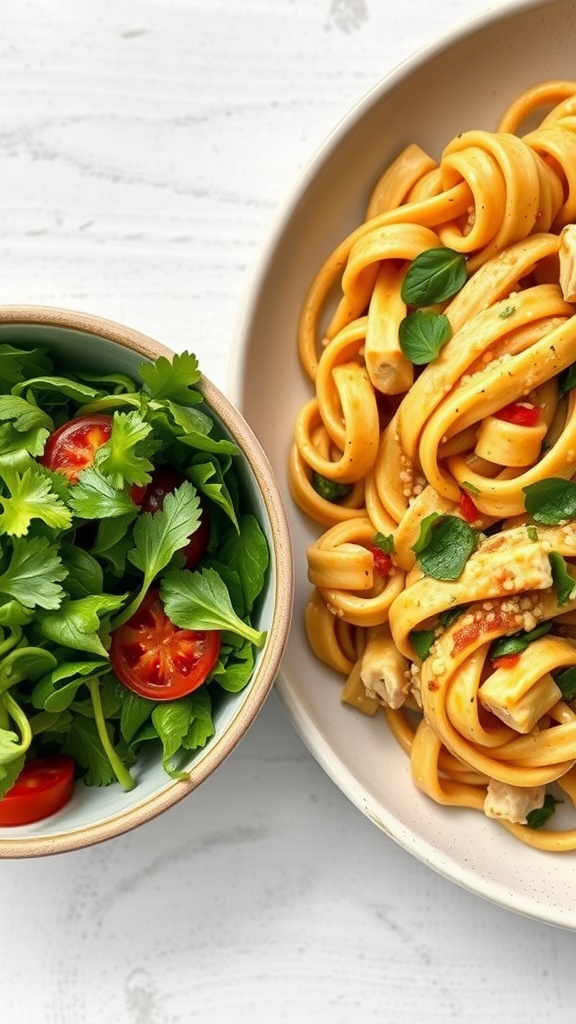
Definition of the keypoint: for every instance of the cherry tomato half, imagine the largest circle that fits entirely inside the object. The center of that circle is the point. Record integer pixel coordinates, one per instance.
(156, 659)
(42, 788)
(163, 482)
(72, 447)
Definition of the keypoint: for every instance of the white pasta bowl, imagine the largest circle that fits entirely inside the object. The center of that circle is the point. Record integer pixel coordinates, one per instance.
(464, 82)
(92, 345)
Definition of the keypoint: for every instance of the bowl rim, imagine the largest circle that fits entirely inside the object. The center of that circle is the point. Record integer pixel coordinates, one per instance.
(283, 581)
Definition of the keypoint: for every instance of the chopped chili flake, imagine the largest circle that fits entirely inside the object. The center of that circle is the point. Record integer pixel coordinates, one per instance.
(382, 561)
(504, 661)
(520, 413)
(468, 509)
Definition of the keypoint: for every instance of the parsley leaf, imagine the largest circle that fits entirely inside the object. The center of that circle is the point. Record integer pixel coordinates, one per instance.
(434, 276)
(423, 334)
(444, 546)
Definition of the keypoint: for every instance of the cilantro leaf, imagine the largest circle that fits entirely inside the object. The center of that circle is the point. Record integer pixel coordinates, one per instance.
(423, 334)
(444, 546)
(434, 276)
(31, 497)
(118, 459)
(551, 501)
(174, 380)
(95, 496)
(33, 574)
(200, 600)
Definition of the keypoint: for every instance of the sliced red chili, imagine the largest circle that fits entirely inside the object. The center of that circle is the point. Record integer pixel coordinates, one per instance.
(522, 414)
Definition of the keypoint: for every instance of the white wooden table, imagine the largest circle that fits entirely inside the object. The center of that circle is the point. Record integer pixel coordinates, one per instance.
(144, 148)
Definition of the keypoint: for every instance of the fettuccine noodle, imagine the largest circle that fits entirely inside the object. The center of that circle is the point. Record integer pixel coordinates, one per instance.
(463, 437)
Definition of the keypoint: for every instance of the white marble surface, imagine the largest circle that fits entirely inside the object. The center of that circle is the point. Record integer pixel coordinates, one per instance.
(144, 148)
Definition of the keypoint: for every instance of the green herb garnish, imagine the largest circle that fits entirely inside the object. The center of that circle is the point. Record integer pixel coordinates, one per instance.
(540, 815)
(423, 334)
(517, 642)
(434, 276)
(330, 490)
(551, 501)
(444, 546)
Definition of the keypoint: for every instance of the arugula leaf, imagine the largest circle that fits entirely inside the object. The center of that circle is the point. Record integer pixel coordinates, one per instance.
(551, 501)
(208, 475)
(423, 334)
(33, 574)
(247, 554)
(61, 386)
(434, 276)
(233, 671)
(55, 690)
(200, 600)
(444, 546)
(76, 624)
(174, 380)
(31, 497)
(83, 743)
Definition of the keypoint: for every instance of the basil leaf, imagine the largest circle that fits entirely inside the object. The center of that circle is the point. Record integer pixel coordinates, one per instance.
(422, 640)
(551, 501)
(566, 682)
(449, 542)
(517, 642)
(423, 334)
(330, 490)
(424, 535)
(540, 815)
(564, 584)
(433, 276)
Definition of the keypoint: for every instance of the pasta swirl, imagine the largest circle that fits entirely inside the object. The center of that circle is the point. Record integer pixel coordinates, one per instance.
(438, 456)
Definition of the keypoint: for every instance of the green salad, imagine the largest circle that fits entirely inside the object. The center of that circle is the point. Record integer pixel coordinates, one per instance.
(130, 569)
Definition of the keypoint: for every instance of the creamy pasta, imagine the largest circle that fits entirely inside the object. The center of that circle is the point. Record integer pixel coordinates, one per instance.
(437, 454)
